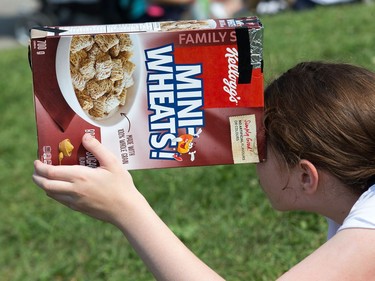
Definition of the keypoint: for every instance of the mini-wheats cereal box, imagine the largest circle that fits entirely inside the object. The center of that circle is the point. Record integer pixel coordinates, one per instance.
(158, 94)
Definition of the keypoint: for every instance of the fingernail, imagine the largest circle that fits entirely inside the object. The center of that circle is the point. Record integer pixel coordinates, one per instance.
(88, 137)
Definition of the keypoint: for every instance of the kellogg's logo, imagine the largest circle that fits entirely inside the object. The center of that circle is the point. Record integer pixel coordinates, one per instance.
(230, 82)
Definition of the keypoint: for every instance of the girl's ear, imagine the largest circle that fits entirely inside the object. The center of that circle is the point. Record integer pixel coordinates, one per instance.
(308, 176)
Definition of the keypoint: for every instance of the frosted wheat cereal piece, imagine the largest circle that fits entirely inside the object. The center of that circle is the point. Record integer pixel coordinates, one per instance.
(198, 24)
(129, 68)
(98, 88)
(106, 41)
(98, 108)
(94, 90)
(84, 100)
(111, 103)
(87, 69)
(122, 97)
(114, 51)
(117, 72)
(78, 81)
(122, 84)
(125, 55)
(77, 57)
(118, 87)
(80, 42)
(184, 25)
(168, 25)
(88, 48)
(94, 52)
(103, 67)
(106, 85)
(128, 81)
(125, 42)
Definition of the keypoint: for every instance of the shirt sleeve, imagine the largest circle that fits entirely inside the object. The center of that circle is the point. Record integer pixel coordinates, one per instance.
(362, 214)
(332, 228)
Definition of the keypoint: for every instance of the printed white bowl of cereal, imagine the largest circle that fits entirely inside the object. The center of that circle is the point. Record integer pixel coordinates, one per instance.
(98, 75)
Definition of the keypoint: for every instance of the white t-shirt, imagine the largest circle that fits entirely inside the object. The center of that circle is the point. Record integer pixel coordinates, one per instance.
(362, 214)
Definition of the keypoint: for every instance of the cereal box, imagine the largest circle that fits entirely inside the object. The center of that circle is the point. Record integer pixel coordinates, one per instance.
(158, 94)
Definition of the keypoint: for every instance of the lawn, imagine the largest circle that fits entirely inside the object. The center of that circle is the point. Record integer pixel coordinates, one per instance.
(219, 212)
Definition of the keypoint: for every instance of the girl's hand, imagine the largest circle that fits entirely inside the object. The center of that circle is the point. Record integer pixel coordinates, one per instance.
(101, 192)
(108, 193)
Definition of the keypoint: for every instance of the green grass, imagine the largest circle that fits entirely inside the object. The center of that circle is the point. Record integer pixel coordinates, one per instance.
(219, 212)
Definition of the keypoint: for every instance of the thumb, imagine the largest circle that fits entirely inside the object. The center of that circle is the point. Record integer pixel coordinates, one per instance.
(105, 157)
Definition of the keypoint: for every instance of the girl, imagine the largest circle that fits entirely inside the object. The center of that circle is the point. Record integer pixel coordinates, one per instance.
(320, 126)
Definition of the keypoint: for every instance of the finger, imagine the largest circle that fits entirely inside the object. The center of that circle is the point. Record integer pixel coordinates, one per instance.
(105, 157)
(53, 186)
(63, 173)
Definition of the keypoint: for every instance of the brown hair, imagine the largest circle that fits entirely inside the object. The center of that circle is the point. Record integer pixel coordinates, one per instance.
(325, 113)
